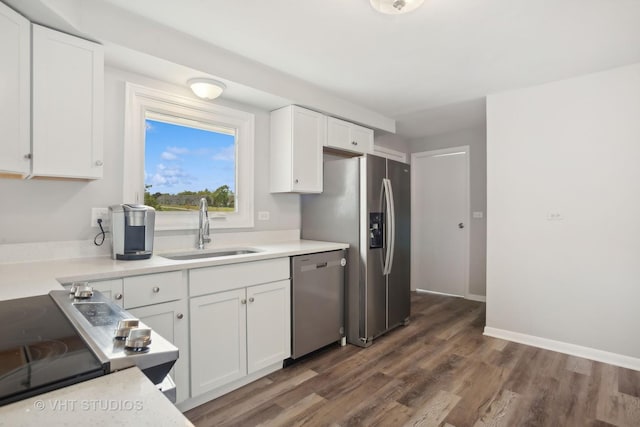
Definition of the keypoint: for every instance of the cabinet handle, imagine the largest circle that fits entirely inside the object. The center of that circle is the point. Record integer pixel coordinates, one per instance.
(243, 301)
(251, 299)
(180, 316)
(28, 156)
(98, 162)
(118, 297)
(155, 289)
(354, 143)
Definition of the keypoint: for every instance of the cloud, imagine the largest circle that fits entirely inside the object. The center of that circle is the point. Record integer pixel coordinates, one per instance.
(178, 150)
(169, 176)
(168, 156)
(227, 154)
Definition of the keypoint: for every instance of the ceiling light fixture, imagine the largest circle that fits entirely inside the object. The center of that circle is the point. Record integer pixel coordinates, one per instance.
(206, 88)
(395, 7)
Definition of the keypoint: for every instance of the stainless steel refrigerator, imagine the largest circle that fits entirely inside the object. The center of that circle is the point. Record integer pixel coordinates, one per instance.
(366, 202)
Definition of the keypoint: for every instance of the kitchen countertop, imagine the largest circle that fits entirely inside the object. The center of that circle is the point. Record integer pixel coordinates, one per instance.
(124, 398)
(19, 280)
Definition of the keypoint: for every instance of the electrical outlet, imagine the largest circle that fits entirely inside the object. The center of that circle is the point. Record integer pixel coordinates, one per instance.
(99, 213)
(263, 216)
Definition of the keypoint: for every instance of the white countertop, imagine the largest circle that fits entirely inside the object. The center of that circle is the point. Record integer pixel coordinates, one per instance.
(124, 398)
(19, 280)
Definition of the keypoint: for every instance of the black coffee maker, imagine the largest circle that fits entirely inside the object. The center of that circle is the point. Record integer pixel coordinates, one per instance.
(132, 228)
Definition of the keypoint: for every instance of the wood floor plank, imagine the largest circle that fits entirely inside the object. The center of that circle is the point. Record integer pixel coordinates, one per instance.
(438, 370)
(499, 411)
(307, 405)
(629, 382)
(434, 411)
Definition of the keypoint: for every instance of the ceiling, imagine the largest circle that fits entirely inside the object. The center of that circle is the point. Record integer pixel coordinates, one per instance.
(429, 69)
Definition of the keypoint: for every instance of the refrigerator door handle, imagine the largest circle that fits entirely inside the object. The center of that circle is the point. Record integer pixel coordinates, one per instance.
(386, 268)
(391, 226)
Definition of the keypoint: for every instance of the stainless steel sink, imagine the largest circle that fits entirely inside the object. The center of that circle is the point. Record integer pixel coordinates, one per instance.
(209, 254)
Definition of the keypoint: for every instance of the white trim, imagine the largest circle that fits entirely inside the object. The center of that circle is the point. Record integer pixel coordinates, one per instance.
(475, 297)
(470, 297)
(424, 291)
(566, 348)
(139, 100)
(390, 153)
(414, 215)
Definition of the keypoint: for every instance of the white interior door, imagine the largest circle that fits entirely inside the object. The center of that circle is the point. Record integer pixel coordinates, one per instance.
(440, 221)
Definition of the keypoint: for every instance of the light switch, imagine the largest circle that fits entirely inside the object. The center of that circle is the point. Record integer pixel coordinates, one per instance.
(478, 215)
(263, 216)
(555, 216)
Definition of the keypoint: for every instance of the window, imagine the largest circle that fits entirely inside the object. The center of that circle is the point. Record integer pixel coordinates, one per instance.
(178, 150)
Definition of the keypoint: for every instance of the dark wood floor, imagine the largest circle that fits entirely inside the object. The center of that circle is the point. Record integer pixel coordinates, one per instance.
(437, 371)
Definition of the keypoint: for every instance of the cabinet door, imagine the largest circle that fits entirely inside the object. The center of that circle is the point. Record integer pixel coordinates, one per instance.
(15, 86)
(363, 138)
(348, 136)
(170, 320)
(67, 105)
(309, 134)
(112, 289)
(268, 324)
(218, 340)
(339, 134)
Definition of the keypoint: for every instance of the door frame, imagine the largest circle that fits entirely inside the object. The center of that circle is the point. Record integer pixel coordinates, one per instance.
(415, 216)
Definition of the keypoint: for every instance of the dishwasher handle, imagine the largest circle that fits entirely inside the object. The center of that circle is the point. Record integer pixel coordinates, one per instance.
(341, 262)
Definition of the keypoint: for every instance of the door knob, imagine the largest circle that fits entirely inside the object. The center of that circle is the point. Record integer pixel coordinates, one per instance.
(460, 225)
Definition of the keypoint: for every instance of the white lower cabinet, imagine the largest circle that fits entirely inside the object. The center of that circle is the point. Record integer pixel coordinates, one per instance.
(237, 333)
(239, 326)
(161, 302)
(219, 343)
(171, 321)
(268, 325)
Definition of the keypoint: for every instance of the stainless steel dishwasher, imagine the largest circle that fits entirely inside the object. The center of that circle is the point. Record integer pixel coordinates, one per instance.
(317, 301)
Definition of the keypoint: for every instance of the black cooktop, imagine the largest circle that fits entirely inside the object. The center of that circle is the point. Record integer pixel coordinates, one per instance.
(40, 350)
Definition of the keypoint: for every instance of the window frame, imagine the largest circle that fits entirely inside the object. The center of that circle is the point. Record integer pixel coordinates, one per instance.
(138, 101)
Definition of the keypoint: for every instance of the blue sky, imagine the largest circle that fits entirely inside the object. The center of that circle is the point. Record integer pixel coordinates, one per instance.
(179, 158)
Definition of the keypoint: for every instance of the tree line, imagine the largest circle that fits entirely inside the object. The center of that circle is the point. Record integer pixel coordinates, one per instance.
(221, 197)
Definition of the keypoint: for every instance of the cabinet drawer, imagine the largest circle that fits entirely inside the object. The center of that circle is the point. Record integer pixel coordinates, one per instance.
(208, 280)
(154, 288)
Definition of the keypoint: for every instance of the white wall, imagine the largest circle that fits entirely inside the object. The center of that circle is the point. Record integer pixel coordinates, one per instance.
(571, 148)
(392, 141)
(40, 210)
(475, 138)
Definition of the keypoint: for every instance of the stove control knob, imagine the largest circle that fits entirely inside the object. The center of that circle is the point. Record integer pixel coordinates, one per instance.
(75, 285)
(83, 291)
(138, 339)
(123, 328)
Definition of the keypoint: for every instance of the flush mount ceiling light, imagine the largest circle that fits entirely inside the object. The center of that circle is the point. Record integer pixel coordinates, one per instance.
(395, 7)
(206, 88)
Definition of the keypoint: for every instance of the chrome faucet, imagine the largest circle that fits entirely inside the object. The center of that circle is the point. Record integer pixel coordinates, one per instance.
(203, 224)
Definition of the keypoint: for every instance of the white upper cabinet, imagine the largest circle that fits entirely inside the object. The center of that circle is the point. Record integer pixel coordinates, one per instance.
(15, 85)
(297, 138)
(67, 110)
(348, 136)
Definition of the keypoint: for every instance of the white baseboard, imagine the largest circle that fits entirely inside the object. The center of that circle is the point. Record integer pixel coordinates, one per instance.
(566, 348)
(475, 297)
(472, 297)
(424, 291)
